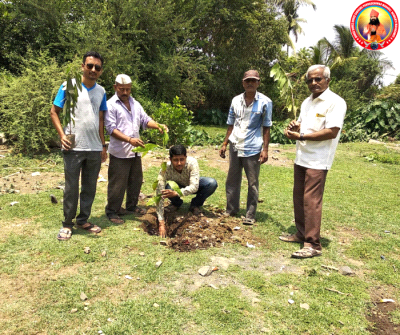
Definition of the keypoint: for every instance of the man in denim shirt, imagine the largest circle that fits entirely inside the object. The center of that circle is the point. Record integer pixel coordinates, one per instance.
(249, 122)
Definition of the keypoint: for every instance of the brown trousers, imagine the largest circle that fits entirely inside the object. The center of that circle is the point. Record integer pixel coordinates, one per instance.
(308, 191)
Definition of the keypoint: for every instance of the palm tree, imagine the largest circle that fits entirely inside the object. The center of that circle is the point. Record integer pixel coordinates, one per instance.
(343, 49)
(289, 8)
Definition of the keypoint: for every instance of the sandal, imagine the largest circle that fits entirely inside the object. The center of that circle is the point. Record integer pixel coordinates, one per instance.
(248, 221)
(116, 220)
(170, 208)
(137, 210)
(290, 238)
(306, 252)
(64, 234)
(92, 228)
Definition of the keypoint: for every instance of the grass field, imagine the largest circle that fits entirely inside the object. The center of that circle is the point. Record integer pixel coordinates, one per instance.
(257, 290)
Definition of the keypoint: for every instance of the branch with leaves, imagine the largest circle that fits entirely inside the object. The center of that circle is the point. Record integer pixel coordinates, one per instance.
(285, 88)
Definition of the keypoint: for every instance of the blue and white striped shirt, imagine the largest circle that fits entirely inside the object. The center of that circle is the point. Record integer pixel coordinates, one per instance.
(248, 121)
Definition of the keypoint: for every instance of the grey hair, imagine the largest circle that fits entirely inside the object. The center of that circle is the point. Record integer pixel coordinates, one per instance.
(327, 71)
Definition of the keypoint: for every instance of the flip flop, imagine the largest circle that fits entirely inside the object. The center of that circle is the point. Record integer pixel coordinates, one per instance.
(64, 234)
(248, 222)
(137, 210)
(116, 220)
(92, 228)
(306, 252)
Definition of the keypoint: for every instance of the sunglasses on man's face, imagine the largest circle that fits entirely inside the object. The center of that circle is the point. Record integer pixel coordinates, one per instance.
(317, 80)
(96, 67)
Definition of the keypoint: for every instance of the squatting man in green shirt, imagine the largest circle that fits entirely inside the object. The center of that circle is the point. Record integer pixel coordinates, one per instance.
(185, 172)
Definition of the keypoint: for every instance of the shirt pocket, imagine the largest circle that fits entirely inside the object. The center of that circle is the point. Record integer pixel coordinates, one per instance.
(319, 121)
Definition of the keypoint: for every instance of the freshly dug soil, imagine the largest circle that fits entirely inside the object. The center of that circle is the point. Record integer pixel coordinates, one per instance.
(187, 232)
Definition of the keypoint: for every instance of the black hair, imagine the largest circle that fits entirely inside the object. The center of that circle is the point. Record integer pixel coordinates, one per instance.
(94, 54)
(177, 150)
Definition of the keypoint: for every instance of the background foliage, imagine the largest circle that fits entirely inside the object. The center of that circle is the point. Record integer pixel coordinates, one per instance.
(196, 50)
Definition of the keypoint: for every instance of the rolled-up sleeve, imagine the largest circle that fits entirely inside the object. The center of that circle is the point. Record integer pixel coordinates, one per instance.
(110, 118)
(267, 122)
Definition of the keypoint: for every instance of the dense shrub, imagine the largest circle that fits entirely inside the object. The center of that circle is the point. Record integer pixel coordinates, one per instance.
(178, 119)
(25, 103)
(379, 119)
(212, 117)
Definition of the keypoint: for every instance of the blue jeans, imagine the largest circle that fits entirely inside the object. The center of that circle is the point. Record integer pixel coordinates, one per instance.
(207, 187)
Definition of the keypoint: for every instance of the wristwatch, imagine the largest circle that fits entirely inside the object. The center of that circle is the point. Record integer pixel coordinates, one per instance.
(302, 137)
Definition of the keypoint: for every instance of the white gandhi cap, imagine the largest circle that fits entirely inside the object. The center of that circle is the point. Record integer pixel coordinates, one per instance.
(123, 79)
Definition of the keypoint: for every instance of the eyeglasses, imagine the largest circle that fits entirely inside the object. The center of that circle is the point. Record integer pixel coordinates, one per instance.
(317, 80)
(90, 66)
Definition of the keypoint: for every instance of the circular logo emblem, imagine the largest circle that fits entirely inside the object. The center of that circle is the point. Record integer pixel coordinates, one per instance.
(374, 25)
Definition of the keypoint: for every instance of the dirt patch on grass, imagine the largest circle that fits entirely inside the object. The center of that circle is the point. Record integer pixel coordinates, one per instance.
(379, 315)
(28, 182)
(188, 232)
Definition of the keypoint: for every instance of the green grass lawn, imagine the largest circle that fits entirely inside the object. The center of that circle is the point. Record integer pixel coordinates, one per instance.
(41, 279)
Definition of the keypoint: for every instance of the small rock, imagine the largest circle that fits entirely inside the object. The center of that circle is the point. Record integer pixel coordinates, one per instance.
(104, 253)
(205, 271)
(256, 300)
(382, 257)
(128, 277)
(290, 301)
(164, 243)
(248, 245)
(110, 320)
(305, 306)
(14, 203)
(85, 308)
(264, 330)
(141, 254)
(87, 303)
(74, 310)
(346, 271)
(213, 286)
(156, 305)
(86, 250)
(236, 228)
(83, 296)
(34, 174)
(53, 199)
(158, 264)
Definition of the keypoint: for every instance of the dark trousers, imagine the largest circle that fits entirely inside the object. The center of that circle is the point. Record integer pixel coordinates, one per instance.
(308, 191)
(87, 165)
(207, 187)
(124, 175)
(251, 167)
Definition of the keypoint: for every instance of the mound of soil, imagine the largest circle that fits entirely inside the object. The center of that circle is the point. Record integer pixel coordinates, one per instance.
(209, 229)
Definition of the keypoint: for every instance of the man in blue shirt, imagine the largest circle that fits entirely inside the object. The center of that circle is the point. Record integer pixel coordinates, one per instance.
(85, 157)
(249, 122)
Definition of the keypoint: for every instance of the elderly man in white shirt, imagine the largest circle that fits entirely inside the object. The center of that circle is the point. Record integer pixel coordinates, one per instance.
(317, 132)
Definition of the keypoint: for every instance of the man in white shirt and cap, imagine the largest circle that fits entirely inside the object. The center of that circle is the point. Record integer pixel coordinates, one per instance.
(123, 121)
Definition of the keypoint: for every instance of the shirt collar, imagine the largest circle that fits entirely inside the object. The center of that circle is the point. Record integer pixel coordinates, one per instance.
(322, 96)
(118, 99)
(256, 97)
